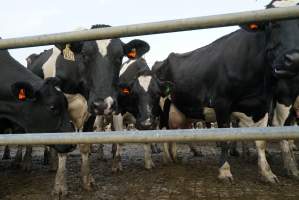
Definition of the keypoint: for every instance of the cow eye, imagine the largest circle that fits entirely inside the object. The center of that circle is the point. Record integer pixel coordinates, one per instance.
(52, 108)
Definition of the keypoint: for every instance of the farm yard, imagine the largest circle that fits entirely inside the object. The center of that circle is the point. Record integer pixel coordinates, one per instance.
(96, 79)
(191, 178)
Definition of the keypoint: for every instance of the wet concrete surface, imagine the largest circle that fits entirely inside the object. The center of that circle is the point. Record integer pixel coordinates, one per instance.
(193, 178)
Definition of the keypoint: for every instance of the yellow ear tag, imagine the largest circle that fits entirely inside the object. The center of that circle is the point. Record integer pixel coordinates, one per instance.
(68, 54)
(22, 95)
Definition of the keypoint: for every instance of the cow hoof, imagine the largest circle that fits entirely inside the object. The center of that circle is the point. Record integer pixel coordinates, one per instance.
(270, 178)
(226, 179)
(149, 165)
(117, 167)
(155, 149)
(88, 183)
(16, 164)
(234, 153)
(294, 174)
(293, 147)
(59, 192)
(27, 166)
(6, 156)
(101, 156)
(197, 153)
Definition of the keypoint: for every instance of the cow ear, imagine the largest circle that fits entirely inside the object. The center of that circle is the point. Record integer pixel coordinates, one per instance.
(55, 82)
(23, 91)
(254, 26)
(166, 88)
(136, 48)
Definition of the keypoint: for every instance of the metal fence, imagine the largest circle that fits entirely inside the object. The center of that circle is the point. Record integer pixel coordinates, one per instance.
(156, 136)
(232, 134)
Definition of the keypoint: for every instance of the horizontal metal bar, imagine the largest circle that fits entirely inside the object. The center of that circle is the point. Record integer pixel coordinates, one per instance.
(155, 27)
(182, 135)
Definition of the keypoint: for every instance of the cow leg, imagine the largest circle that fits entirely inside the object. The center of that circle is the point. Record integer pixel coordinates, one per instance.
(46, 155)
(53, 159)
(166, 154)
(6, 153)
(264, 167)
(27, 160)
(19, 156)
(176, 120)
(245, 151)
(155, 148)
(60, 187)
(233, 149)
(194, 149)
(224, 170)
(116, 148)
(289, 160)
(222, 110)
(116, 158)
(293, 145)
(148, 162)
(87, 179)
(173, 151)
(281, 114)
(98, 126)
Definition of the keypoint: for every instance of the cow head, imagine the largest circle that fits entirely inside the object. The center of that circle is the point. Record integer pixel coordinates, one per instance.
(42, 110)
(141, 96)
(98, 68)
(282, 42)
(48, 102)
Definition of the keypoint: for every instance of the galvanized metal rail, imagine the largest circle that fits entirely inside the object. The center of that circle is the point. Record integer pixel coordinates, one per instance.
(184, 135)
(155, 27)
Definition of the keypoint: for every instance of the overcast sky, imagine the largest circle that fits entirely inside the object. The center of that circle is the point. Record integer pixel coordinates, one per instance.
(32, 17)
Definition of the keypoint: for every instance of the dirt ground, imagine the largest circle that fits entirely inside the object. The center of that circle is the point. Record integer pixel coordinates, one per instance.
(191, 178)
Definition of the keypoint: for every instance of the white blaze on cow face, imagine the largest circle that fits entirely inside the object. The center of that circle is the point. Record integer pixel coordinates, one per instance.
(144, 82)
(109, 102)
(285, 3)
(103, 46)
(49, 67)
(125, 66)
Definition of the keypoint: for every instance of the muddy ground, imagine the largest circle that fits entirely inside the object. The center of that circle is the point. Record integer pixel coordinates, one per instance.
(191, 178)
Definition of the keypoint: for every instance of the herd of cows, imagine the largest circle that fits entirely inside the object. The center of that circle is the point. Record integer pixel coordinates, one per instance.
(250, 76)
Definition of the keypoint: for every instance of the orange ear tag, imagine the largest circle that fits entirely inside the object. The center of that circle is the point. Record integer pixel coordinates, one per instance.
(253, 26)
(22, 95)
(125, 91)
(132, 54)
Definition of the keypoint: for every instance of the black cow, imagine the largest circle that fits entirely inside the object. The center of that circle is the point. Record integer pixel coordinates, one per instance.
(235, 75)
(89, 74)
(33, 104)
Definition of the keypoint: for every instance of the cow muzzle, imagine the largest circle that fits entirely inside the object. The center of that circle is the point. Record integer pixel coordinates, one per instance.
(289, 65)
(105, 107)
(147, 124)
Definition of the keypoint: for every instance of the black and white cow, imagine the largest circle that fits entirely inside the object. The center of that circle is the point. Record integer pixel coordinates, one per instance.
(33, 104)
(89, 75)
(235, 75)
(139, 94)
